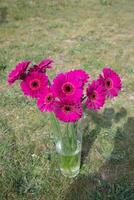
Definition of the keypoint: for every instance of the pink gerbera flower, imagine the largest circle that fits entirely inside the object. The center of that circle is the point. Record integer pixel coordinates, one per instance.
(46, 101)
(67, 85)
(95, 95)
(18, 72)
(81, 75)
(42, 66)
(111, 81)
(68, 111)
(34, 84)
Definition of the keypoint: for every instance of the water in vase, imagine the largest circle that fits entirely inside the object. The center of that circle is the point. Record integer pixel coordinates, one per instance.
(69, 161)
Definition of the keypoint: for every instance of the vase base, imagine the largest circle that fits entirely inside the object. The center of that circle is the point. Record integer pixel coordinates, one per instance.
(70, 174)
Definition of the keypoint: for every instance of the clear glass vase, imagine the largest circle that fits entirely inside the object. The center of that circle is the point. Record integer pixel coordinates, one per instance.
(68, 141)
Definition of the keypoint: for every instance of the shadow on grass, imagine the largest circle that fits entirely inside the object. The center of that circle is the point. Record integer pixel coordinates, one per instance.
(93, 188)
(3, 15)
(121, 162)
(103, 120)
(115, 179)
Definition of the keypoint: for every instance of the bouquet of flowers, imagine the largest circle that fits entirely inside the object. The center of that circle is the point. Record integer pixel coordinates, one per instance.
(68, 94)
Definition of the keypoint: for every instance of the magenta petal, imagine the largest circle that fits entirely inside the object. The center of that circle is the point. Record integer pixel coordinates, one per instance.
(66, 85)
(34, 84)
(18, 72)
(81, 75)
(46, 101)
(116, 84)
(42, 66)
(68, 111)
(46, 63)
(95, 95)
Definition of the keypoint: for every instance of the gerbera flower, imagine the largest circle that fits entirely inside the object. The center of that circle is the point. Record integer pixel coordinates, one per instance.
(18, 72)
(67, 110)
(81, 74)
(67, 85)
(46, 101)
(45, 64)
(111, 81)
(34, 84)
(95, 95)
(42, 66)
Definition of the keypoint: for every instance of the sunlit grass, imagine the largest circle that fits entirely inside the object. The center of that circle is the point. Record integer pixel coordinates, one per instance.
(87, 34)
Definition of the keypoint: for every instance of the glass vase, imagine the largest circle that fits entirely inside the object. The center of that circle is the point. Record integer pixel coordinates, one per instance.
(68, 141)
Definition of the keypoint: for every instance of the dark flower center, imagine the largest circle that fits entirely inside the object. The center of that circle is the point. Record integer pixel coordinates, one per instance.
(49, 98)
(35, 84)
(93, 95)
(67, 108)
(68, 88)
(108, 83)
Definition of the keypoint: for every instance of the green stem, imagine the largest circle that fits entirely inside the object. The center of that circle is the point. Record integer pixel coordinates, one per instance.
(74, 135)
(56, 126)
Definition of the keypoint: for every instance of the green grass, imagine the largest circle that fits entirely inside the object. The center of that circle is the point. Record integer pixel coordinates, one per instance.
(87, 34)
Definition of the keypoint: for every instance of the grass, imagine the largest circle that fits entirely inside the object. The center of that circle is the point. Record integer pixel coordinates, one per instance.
(87, 34)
